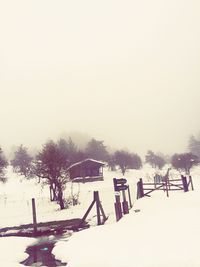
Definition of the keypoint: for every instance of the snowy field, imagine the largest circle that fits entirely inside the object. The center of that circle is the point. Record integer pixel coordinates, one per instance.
(16, 195)
(13, 250)
(164, 233)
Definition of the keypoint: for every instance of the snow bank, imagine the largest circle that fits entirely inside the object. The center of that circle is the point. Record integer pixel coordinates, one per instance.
(164, 233)
(13, 250)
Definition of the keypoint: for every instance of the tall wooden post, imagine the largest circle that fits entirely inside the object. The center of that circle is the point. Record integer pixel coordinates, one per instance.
(50, 193)
(129, 196)
(124, 203)
(166, 187)
(140, 189)
(96, 199)
(34, 217)
(99, 209)
(192, 186)
(185, 185)
(118, 207)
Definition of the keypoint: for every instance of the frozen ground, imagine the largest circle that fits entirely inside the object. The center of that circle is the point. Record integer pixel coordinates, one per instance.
(16, 195)
(164, 233)
(12, 250)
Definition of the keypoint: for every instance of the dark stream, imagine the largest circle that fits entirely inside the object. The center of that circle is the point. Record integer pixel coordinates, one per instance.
(40, 254)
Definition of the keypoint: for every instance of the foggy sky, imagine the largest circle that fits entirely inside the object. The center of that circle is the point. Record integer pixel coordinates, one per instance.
(127, 72)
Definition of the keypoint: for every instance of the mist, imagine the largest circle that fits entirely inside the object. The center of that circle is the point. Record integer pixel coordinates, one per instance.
(123, 72)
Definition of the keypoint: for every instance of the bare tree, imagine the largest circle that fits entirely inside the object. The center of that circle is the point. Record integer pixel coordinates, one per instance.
(50, 165)
(126, 160)
(184, 162)
(155, 160)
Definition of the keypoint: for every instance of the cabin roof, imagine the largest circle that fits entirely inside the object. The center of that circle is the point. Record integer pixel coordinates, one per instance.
(85, 161)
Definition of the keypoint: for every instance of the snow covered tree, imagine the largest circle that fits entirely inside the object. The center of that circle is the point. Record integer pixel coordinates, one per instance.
(97, 150)
(22, 161)
(51, 165)
(3, 165)
(184, 162)
(155, 160)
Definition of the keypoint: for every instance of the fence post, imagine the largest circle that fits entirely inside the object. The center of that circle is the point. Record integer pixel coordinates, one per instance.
(140, 189)
(192, 186)
(124, 203)
(96, 199)
(50, 192)
(99, 210)
(34, 217)
(185, 185)
(129, 197)
(118, 207)
(166, 187)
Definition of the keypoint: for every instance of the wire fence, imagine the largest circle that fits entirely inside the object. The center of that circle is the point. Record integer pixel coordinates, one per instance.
(17, 209)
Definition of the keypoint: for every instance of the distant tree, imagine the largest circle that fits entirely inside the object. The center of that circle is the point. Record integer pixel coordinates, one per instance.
(97, 150)
(126, 160)
(184, 162)
(22, 161)
(64, 152)
(136, 162)
(3, 165)
(112, 162)
(79, 156)
(155, 160)
(194, 145)
(51, 165)
(70, 152)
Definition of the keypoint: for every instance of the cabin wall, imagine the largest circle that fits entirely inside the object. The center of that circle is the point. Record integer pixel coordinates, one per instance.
(86, 170)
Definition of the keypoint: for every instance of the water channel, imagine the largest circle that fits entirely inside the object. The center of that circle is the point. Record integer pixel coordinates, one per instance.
(40, 252)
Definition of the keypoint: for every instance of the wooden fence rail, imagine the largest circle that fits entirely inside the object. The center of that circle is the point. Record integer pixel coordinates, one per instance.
(145, 189)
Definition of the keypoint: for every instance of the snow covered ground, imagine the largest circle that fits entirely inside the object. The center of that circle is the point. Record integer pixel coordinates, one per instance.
(165, 232)
(12, 250)
(16, 195)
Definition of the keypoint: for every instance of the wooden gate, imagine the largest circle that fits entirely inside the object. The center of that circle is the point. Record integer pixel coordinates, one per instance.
(145, 189)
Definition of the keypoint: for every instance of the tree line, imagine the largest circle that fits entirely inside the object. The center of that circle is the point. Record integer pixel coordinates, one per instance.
(51, 163)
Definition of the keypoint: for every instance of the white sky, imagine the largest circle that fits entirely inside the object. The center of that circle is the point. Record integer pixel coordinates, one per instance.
(127, 72)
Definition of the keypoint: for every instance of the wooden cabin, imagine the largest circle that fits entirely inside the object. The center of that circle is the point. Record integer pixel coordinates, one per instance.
(86, 171)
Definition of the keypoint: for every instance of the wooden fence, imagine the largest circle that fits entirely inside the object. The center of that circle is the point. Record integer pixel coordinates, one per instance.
(145, 189)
